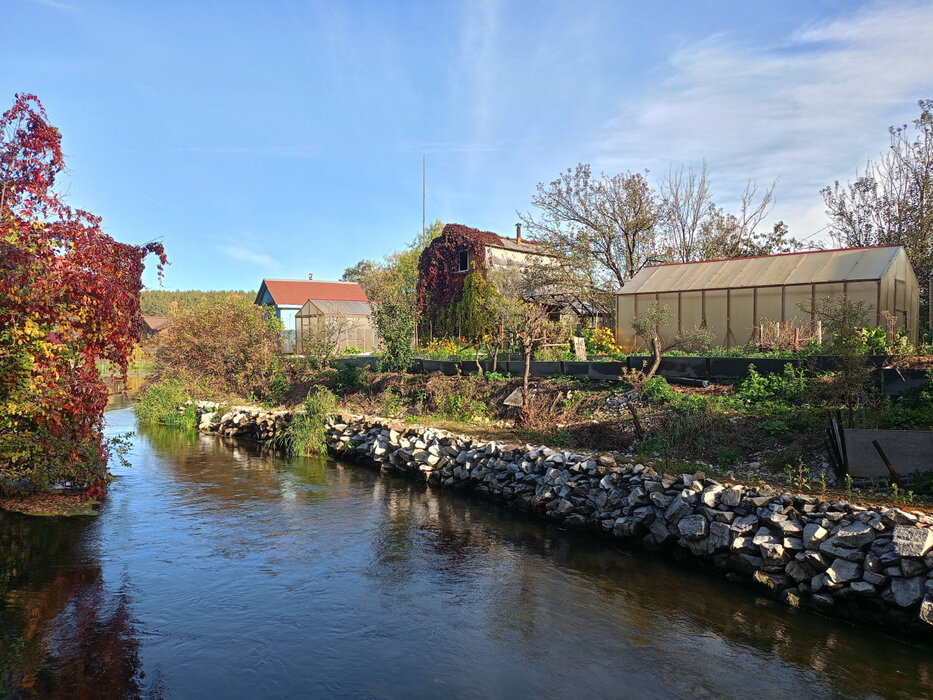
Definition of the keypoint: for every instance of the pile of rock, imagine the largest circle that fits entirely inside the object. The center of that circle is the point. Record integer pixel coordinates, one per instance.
(832, 555)
(248, 422)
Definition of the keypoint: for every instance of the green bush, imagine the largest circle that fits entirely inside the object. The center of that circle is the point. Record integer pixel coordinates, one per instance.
(165, 404)
(727, 457)
(791, 387)
(912, 411)
(391, 402)
(349, 378)
(307, 433)
(462, 407)
(395, 321)
(279, 389)
(352, 350)
(657, 390)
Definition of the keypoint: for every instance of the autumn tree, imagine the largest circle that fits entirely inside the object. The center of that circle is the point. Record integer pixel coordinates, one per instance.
(601, 228)
(396, 277)
(222, 345)
(69, 297)
(892, 202)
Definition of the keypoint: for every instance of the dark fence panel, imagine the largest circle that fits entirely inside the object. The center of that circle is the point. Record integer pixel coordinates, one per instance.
(736, 367)
(898, 382)
(544, 369)
(605, 370)
(692, 367)
(577, 369)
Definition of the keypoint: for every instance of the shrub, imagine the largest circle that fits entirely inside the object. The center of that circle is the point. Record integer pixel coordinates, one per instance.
(225, 345)
(912, 411)
(307, 433)
(165, 404)
(657, 390)
(600, 341)
(391, 402)
(395, 321)
(349, 377)
(352, 350)
(791, 387)
(727, 457)
(279, 388)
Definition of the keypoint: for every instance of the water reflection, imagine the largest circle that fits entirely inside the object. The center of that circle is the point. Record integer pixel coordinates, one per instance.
(64, 633)
(217, 570)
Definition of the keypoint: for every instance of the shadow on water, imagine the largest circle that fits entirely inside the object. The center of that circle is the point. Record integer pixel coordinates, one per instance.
(645, 595)
(63, 634)
(216, 569)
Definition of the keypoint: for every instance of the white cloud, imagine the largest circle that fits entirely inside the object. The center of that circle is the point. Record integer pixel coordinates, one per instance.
(251, 256)
(808, 108)
(55, 5)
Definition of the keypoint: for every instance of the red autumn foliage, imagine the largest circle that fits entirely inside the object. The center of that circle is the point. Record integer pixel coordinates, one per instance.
(69, 296)
(440, 283)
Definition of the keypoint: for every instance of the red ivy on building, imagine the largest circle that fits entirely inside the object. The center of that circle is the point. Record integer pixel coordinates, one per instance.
(440, 281)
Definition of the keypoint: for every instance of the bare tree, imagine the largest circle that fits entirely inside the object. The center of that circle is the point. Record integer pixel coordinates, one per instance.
(892, 203)
(601, 229)
(686, 201)
(736, 235)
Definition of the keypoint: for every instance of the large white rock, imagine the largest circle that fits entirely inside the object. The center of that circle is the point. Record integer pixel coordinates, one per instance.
(912, 541)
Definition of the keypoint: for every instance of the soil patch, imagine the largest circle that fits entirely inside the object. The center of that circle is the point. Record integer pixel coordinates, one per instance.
(54, 503)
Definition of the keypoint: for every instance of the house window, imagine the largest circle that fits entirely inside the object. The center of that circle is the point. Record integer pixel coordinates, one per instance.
(464, 261)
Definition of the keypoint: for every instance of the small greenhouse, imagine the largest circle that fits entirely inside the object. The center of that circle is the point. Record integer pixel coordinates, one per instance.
(736, 298)
(348, 324)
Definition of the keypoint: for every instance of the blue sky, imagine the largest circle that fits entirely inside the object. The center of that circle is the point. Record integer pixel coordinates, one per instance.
(281, 138)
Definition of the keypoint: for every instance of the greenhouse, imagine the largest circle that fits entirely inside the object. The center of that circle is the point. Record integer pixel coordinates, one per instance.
(741, 299)
(344, 324)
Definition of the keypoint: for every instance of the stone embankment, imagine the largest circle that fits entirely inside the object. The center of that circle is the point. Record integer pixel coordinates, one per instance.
(870, 564)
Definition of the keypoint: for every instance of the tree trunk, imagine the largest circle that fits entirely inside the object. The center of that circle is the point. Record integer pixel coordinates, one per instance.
(639, 432)
(656, 350)
(526, 355)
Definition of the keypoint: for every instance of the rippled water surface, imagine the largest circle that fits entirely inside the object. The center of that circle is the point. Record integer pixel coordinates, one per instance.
(213, 571)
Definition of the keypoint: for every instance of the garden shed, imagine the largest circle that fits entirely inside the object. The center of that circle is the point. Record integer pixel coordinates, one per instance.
(735, 298)
(286, 297)
(348, 324)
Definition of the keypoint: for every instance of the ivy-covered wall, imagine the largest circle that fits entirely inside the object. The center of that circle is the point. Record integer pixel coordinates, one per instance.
(440, 283)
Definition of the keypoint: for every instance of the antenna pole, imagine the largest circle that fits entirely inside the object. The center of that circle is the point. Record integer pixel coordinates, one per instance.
(423, 182)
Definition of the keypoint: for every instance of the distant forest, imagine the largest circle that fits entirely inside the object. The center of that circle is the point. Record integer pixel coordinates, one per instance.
(159, 302)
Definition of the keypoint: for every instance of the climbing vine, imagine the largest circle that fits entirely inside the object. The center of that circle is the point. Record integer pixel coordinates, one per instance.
(440, 282)
(69, 297)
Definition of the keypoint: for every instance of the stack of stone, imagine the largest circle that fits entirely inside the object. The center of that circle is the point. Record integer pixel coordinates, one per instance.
(872, 564)
(249, 422)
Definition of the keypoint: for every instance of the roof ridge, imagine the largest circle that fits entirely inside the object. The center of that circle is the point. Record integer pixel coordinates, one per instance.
(776, 255)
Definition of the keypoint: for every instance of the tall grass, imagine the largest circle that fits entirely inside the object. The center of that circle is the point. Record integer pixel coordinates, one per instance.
(164, 404)
(307, 433)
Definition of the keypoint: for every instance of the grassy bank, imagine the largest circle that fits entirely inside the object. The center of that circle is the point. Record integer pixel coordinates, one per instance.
(762, 428)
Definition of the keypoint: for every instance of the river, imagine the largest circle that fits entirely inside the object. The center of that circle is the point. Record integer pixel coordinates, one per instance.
(215, 571)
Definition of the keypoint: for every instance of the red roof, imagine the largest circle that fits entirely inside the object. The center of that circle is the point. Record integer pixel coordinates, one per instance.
(297, 292)
(157, 323)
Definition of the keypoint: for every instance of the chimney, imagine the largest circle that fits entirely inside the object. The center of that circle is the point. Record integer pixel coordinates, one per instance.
(518, 233)
(310, 277)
